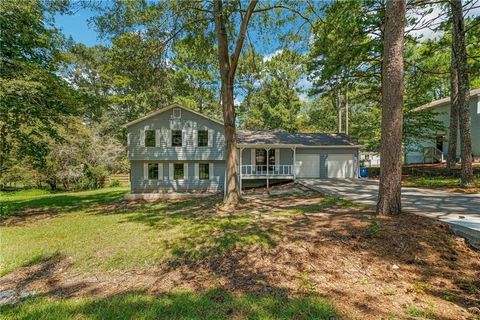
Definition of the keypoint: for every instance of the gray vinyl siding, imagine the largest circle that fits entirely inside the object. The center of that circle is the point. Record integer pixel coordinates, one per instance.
(164, 122)
(324, 152)
(139, 184)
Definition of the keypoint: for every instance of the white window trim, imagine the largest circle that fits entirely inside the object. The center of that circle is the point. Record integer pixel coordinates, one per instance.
(160, 171)
(170, 171)
(197, 171)
(158, 134)
(185, 171)
(210, 171)
(210, 138)
(145, 171)
(142, 137)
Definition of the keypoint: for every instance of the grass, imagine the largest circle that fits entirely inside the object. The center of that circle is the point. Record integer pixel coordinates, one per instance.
(100, 233)
(120, 237)
(435, 182)
(213, 304)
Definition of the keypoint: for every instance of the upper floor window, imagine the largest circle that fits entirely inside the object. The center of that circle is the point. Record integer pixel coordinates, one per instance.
(149, 138)
(203, 138)
(176, 138)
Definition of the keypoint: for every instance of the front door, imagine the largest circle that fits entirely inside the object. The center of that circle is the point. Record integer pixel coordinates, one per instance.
(261, 160)
(439, 143)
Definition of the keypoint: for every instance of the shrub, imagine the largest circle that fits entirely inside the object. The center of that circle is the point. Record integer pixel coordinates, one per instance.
(94, 177)
(114, 183)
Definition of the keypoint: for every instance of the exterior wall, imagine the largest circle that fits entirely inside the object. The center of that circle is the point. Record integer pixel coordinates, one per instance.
(164, 122)
(324, 152)
(443, 114)
(139, 184)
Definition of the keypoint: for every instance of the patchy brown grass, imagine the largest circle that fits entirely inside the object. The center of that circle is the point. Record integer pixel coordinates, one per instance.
(370, 267)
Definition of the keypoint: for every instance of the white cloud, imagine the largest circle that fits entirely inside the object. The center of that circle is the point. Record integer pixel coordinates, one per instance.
(269, 56)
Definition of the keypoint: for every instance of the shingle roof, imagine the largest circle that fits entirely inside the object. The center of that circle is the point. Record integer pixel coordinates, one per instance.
(283, 137)
(444, 101)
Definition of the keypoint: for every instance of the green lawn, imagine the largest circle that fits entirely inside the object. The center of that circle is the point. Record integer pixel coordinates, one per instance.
(435, 182)
(102, 234)
(213, 304)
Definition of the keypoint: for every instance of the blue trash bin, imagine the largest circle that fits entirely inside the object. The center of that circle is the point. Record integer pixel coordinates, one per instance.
(363, 172)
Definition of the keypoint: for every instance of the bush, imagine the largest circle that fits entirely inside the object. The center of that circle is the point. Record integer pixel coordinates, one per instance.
(94, 177)
(114, 183)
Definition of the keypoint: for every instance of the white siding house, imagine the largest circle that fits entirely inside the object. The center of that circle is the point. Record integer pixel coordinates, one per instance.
(435, 150)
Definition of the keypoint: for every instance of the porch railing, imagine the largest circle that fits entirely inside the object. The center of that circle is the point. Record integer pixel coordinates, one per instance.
(263, 170)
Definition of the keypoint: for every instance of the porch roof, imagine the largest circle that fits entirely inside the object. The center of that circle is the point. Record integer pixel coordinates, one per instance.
(251, 137)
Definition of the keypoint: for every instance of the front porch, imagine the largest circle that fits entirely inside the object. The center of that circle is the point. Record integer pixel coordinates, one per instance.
(266, 162)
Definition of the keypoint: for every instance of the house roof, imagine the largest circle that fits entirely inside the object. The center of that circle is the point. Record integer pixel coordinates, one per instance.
(256, 137)
(171, 106)
(444, 101)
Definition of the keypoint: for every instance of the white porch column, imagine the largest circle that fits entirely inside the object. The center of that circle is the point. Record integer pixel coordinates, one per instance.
(268, 162)
(241, 155)
(294, 149)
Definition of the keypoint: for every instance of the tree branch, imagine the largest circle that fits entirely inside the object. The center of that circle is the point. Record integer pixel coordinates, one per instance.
(241, 37)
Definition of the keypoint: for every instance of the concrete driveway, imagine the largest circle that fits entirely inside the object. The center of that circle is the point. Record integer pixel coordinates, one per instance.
(461, 211)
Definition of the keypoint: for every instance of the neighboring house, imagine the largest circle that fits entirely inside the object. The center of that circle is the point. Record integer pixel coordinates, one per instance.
(369, 159)
(436, 150)
(176, 149)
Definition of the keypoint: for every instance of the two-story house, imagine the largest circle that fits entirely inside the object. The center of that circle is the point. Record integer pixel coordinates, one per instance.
(176, 149)
(436, 149)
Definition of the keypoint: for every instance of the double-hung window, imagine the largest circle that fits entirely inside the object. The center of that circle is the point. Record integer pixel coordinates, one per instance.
(153, 171)
(203, 171)
(203, 138)
(178, 171)
(149, 138)
(176, 138)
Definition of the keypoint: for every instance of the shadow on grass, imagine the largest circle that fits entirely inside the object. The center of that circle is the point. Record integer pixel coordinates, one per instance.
(198, 228)
(66, 202)
(212, 304)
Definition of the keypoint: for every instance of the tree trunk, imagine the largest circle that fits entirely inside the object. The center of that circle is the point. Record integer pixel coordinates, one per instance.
(339, 111)
(460, 56)
(346, 109)
(453, 128)
(228, 68)
(389, 197)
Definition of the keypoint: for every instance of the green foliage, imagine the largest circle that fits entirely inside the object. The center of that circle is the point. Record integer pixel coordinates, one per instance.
(276, 103)
(114, 183)
(33, 98)
(374, 227)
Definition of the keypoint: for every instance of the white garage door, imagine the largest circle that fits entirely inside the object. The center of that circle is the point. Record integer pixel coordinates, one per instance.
(340, 165)
(307, 165)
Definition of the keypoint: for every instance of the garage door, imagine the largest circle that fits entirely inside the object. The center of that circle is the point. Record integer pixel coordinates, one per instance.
(340, 165)
(307, 165)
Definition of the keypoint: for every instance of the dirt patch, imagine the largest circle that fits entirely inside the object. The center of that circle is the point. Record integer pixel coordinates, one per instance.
(371, 267)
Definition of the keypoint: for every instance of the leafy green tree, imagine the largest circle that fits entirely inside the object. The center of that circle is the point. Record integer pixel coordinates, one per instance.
(32, 96)
(276, 103)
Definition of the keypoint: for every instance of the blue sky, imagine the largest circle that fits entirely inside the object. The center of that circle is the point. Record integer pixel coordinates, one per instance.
(77, 27)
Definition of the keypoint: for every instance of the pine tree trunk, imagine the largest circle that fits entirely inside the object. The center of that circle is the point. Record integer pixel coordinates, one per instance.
(339, 111)
(389, 197)
(453, 128)
(233, 189)
(346, 109)
(460, 56)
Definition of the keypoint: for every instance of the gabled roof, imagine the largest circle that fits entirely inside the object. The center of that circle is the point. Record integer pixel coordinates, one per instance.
(250, 137)
(444, 101)
(171, 106)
